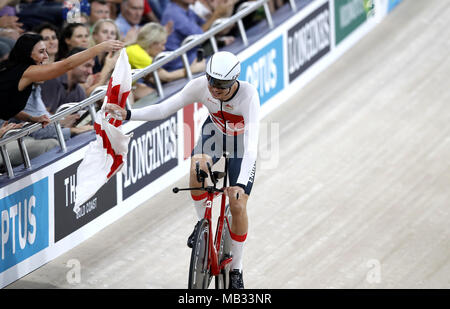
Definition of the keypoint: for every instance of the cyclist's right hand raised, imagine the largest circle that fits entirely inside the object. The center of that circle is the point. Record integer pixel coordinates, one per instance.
(116, 111)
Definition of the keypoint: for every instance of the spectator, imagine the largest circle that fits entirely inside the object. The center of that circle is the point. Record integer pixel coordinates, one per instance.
(35, 107)
(205, 8)
(9, 42)
(34, 147)
(130, 17)
(4, 51)
(72, 35)
(50, 33)
(66, 88)
(33, 13)
(149, 15)
(186, 23)
(103, 30)
(132, 13)
(5, 127)
(99, 10)
(150, 42)
(158, 7)
(9, 22)
(26, 65)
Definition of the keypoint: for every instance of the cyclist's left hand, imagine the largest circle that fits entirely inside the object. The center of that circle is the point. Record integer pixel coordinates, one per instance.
(234, 192)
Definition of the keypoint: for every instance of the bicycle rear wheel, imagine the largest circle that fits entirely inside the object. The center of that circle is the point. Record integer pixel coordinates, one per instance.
(222, 280)
(199, 275)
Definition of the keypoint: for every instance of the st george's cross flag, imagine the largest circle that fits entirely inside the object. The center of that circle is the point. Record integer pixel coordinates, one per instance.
(106, 155)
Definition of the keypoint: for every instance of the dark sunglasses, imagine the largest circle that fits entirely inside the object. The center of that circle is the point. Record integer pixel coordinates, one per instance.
(219, 83)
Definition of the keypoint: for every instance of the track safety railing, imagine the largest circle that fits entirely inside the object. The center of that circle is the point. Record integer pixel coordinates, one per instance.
(99, 93)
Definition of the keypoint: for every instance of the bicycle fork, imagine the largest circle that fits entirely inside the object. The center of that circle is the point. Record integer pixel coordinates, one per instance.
(214, 247)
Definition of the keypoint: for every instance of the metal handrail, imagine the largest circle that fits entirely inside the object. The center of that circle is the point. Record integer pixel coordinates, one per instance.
(136, 74)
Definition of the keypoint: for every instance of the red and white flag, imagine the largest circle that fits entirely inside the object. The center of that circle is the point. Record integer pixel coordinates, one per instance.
(106, 155)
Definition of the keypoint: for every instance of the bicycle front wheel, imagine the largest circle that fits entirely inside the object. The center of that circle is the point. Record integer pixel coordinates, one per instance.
(199, 275)
(222, 280)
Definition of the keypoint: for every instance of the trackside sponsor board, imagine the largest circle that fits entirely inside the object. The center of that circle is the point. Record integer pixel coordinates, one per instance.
(308, 41)
(24, 224)
(349, 15)
(265, 70)
(66, 220)
(152, 153)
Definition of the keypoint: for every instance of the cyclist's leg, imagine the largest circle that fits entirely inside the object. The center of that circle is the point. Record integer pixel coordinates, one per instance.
(238, 208)
(207, 150)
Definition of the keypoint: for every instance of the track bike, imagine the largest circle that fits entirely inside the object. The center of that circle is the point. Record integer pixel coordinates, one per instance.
(211, 258)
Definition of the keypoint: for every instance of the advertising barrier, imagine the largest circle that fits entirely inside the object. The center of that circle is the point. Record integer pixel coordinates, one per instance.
(37, 219)
(152, 152)
(265, 69)
(24, 223)
(66, 220)
(308, 41)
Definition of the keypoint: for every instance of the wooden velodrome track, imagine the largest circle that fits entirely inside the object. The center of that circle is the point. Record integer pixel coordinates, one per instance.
(357, 194)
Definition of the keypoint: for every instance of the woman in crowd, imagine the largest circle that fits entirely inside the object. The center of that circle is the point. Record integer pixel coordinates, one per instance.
(150, 42)
(50, 33)
(103, 30)
(27, 65)
(72, 35)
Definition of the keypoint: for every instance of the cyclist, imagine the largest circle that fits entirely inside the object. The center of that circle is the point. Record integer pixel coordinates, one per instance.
(232, 126)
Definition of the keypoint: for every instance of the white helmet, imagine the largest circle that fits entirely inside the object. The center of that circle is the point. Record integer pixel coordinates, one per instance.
(223, 69)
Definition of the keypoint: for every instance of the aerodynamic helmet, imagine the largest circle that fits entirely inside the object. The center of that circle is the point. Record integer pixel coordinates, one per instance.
(223, 69)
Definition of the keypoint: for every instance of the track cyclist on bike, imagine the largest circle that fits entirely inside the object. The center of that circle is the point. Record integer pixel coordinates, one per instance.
(232, 126)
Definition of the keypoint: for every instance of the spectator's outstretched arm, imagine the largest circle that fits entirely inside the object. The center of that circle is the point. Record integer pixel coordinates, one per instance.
(38, 73)
(43, 119)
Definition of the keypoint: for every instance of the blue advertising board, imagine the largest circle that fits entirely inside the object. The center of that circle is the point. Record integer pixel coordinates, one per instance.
(24, 224)
(264, 70)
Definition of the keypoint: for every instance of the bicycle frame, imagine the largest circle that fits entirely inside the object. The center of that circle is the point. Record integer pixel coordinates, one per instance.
(214, 246)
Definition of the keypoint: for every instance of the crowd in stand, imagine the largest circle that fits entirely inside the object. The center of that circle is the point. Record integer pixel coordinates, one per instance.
(146, 28)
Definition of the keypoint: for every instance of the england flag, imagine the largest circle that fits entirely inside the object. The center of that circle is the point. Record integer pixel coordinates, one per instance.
(106, 155)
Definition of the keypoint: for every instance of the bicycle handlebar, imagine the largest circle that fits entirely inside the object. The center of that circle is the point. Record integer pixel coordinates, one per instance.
(215, 176)
(209, 189)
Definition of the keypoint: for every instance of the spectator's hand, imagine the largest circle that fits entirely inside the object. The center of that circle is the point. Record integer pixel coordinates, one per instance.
(169, 27)
(111, 45)
(69, 120)
(9, 126)
(116, 111)
(42, 119)
(10, 33)
(110, 61)
(131, 35)
(197, 67)
(81, 129)
(227, 39)
(224, 8)
(11, 22)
